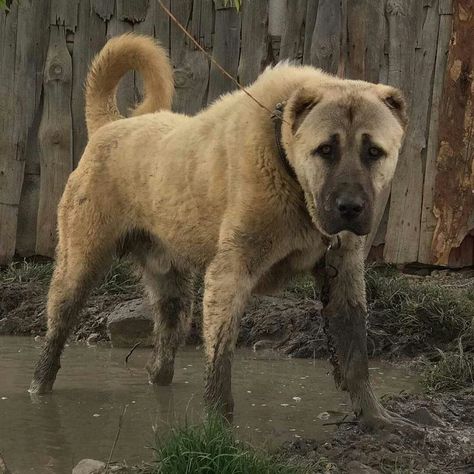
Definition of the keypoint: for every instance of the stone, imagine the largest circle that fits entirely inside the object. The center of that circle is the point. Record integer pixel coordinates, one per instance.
(356, 467)
(129, 323)
(423, 416)
(89, 466)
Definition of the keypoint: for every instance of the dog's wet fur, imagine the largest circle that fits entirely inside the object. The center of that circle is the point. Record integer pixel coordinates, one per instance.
(209, 194)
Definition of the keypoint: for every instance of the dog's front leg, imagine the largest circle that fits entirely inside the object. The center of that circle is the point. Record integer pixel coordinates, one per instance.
(344, 315)
(227, 290)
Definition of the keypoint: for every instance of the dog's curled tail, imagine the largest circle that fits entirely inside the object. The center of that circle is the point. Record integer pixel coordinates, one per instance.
(119, 55)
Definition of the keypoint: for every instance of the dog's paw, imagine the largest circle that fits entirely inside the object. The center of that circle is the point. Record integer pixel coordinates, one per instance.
(387, 421)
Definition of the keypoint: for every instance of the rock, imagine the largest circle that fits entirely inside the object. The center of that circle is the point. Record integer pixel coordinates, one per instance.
(89, 466)
(356, 467)
(38, 338)
(129, 323)
(93, 338)
(424, 417)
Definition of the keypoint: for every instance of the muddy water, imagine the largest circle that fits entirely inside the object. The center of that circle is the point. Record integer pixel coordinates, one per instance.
(276, 400)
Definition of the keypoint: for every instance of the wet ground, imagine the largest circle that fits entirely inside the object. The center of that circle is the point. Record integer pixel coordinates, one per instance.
(277, 400)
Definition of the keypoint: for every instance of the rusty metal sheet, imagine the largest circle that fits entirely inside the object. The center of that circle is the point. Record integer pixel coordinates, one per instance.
(454, 184)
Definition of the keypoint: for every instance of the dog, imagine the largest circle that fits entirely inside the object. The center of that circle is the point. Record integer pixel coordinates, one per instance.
(247, 199)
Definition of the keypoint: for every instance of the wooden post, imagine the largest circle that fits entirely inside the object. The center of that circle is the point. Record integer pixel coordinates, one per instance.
(55, 138)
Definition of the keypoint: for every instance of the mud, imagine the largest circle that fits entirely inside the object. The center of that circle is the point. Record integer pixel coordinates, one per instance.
(445, 444)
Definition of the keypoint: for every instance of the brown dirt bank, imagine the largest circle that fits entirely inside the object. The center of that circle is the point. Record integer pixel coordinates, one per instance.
(445, 445)
(407, 316)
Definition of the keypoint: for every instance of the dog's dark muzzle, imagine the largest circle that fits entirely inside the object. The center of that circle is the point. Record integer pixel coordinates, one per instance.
(348, 208)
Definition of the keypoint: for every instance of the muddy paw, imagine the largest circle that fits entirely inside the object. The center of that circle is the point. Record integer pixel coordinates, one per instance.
(161, 374)
(40, 388)
(388, 421)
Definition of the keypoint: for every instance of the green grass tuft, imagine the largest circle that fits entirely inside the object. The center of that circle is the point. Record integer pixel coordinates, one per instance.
(419, 313)
(212, 449)
(27, 271)
(119, 279)
(452, 371)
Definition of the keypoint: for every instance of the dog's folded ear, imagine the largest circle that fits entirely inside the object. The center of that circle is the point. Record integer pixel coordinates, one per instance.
(394, 100)
(299, 105)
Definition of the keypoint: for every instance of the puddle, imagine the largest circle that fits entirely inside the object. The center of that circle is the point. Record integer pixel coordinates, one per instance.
(275, 400)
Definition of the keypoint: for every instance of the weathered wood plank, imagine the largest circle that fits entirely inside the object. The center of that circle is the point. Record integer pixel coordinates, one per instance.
(428, 219)
(103, 8)
(29, 200)
(291, 46)
(30, 192)
(225, 51)
(255, 40)
(21, 58)
(202, 22)
(55, 138)
(401, 244)
(64, 13)
(310, 20)
(88, 41)
(327, 35)
(453, 203)
(365, 22)
(191, 72)
(132, 11)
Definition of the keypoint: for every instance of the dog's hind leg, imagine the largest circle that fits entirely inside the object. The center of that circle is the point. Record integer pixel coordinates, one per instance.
(171, 298)
(84, 253)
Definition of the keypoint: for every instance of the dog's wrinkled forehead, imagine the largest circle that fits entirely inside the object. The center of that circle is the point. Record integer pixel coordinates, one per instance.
(353, 113)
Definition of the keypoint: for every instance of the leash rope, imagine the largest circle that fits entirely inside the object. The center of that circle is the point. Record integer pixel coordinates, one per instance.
(213, 61)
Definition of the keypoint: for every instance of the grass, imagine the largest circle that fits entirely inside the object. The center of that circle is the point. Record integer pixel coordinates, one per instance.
(452, 371)
(119, 279)
(211, 448)
(420, 313)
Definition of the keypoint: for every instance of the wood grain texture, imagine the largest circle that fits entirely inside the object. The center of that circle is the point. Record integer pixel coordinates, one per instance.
(55, 138)
(21, 63)
(428, 219)
(365, 29)
(327, 36)
(191, 67)
(226, 51)
(132, 11)
(310, 21)
(454, 184)
(292, 39)
(401, 244)
(103, 8)
(255, 40)
(89, 39)
(64, 13)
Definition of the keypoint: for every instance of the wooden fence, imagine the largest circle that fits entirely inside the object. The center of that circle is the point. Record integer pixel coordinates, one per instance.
(47, 45)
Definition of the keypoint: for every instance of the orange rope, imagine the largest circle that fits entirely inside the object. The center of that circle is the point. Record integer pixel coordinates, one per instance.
(213, 61)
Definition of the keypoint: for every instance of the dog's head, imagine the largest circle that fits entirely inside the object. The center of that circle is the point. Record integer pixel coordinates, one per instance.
(343, 142)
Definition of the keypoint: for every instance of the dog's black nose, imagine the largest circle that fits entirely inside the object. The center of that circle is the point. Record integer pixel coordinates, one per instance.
(350, 207)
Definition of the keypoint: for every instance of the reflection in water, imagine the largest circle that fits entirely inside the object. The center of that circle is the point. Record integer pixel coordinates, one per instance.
(275, 400)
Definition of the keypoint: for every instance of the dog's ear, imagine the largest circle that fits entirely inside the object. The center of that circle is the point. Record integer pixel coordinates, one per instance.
(299, 106)
(394, 100)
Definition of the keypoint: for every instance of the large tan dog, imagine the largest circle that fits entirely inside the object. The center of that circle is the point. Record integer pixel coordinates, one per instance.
(223, 194)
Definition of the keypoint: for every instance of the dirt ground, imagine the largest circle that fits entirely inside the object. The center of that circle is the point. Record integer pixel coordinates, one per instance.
(445, 444)
(291, 325)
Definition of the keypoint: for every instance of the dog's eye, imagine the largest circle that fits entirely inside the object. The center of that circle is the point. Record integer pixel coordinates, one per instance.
(375, 152)
(324, 150)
